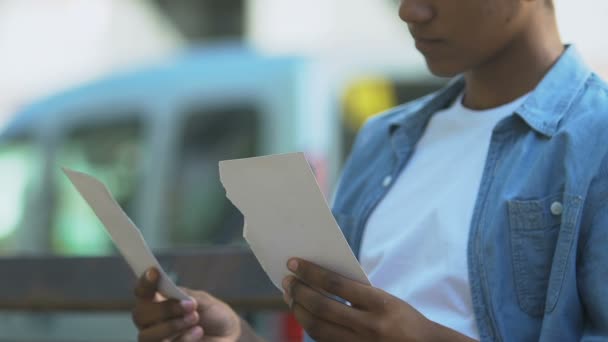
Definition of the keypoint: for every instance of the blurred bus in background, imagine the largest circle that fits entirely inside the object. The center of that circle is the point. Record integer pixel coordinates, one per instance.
(155, 136)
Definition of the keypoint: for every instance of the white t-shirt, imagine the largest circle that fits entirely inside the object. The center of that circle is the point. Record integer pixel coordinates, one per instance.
(415, 241)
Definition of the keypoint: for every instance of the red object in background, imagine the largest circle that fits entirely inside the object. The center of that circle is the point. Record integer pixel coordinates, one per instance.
(292, 332)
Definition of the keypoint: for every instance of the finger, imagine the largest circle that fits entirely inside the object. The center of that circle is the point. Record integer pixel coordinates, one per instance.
(202, 298)
(168, 329)
(216, 316)
(321, 306)
(321, 330)
(287, 298)
(193, 335)
(149, 314)
(360, 295)
(147, 285)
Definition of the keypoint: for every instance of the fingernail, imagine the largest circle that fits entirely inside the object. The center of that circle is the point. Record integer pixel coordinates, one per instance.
(286, 298)
(187, 305)
(288, 283)
(150, 275)
(293, 265)
(285, 283)
(194, 334)
(191, 318)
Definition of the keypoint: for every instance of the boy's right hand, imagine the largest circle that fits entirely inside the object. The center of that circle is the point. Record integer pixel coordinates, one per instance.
(203, 318)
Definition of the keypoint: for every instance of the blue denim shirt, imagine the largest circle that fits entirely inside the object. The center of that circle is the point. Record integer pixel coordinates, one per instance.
(538, 243)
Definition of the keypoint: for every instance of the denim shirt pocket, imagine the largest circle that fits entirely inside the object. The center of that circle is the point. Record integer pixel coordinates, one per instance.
(534, 231)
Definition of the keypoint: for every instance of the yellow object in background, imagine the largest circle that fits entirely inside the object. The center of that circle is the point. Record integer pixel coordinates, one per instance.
(365, 98)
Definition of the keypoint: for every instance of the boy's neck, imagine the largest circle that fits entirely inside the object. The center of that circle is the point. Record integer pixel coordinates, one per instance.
(516, 70)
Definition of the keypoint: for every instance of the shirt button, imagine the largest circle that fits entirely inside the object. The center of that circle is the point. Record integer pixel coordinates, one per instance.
(557, 208)
(387, 181)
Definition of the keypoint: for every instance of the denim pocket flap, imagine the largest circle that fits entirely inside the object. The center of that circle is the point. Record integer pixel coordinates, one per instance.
(536, 214)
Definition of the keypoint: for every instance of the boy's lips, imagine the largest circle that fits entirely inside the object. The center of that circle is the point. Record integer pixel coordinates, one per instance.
(427, 44)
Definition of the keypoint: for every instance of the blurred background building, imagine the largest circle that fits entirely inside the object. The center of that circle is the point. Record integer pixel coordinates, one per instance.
(149, 95)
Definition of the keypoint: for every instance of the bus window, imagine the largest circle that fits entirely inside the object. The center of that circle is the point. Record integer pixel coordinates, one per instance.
(19, 174)
(110, 152)
(200, 214)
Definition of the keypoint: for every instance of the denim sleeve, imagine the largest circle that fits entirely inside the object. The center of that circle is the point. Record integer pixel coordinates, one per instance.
(593, 261)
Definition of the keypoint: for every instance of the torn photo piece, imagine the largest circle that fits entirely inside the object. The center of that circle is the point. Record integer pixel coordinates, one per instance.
(286, 215)
(126, 236)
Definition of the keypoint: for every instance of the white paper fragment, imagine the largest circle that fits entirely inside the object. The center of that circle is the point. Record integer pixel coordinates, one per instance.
(287, 215)
(124, 233)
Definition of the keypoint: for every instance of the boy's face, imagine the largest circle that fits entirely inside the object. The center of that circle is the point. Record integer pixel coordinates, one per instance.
(458, 35)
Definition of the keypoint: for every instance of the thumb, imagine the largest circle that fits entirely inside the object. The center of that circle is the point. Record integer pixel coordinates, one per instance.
(147, 285)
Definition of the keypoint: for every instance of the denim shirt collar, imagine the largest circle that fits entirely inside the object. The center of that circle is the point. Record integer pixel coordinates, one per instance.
(552, 98)
(542, 111)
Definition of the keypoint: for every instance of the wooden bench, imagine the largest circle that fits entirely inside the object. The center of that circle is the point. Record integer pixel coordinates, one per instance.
(99, 284)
